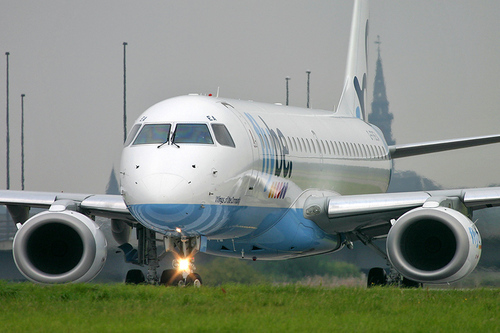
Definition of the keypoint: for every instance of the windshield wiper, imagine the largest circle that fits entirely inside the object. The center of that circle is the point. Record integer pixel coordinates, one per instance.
(168, 141)
(161, 145)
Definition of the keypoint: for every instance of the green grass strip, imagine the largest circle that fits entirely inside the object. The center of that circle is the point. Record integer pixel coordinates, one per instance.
(26, 307)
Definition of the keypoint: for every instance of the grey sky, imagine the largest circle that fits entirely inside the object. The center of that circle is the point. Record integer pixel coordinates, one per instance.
(441, 62)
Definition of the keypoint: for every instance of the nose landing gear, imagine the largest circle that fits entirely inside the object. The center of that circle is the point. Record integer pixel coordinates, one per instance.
(184, 248)
(182, 274)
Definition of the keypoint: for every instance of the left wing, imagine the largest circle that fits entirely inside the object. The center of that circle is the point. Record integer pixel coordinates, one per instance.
(430, 235)
(414, 149)
(357, 212)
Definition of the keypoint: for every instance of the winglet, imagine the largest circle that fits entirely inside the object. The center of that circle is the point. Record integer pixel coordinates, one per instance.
(353, 100)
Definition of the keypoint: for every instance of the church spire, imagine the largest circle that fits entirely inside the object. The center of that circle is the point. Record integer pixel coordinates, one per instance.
(380, 116)
(113, 187)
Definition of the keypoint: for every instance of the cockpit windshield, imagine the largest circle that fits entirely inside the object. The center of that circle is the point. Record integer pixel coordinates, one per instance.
(132, 134)
(192, 133)
(222, 135)
(153, 134)
(160, 134)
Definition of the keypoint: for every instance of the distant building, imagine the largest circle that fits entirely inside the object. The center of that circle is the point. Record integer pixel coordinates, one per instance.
(380, 115)
(113, 187)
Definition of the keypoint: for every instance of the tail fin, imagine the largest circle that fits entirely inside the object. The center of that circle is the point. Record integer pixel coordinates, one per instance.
(353, 100)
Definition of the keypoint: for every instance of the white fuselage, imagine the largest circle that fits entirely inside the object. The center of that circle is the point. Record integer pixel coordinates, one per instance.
(280, 155)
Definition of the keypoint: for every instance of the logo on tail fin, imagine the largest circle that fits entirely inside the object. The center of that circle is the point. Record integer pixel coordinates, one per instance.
(353, 99)
(360, 91)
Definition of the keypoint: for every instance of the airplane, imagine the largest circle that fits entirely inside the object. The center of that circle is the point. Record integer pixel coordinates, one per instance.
(256, 181)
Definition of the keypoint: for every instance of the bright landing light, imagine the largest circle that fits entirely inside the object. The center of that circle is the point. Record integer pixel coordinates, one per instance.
(184, 264)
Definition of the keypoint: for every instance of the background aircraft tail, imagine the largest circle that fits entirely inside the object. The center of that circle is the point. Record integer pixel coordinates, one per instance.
(353, 99)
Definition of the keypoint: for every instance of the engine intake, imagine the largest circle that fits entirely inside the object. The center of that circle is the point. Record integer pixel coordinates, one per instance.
(59, 247)
(434, 245)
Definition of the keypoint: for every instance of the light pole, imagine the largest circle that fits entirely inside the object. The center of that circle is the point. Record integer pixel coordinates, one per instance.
(308, 91)
(7, 122)
(287, 92)
(124, 92)
(22, 141)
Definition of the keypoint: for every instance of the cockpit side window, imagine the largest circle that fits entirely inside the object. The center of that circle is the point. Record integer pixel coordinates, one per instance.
(222, 135)
(131, 134)
(153, 134)
(192, 133)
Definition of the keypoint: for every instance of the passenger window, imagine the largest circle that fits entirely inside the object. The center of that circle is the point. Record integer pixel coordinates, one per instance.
(153, 133)
(365, 153)
(192, 133)
(284, 145)
(222, 135)
(289, 144)
(131, 134)
(348, 149)
(324, 148)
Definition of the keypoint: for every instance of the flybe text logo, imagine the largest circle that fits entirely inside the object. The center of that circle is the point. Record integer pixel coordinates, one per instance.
(278, 190)
(274, 149)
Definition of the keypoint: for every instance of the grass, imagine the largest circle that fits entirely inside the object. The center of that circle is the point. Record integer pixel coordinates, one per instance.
(25, 307)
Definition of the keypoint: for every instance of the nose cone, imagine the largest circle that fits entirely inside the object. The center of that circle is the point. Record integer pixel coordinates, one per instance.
(163, 186)
(158, 188)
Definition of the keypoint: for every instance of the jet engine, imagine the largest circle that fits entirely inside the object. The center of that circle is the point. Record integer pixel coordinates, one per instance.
(59, 247)
(434, 245)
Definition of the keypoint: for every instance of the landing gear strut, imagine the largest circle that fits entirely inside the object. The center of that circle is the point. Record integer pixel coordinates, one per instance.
(146, 254)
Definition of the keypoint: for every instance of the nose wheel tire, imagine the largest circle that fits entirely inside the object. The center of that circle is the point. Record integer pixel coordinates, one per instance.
(171, 277)
(194, 279)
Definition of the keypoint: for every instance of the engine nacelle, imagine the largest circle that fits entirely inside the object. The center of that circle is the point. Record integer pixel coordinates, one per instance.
(434, 245)
(59, 247)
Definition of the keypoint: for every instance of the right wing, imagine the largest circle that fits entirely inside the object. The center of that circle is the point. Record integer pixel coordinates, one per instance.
(64, 243)
(110, 206)
(414, 149)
